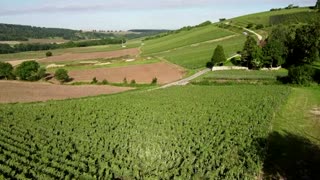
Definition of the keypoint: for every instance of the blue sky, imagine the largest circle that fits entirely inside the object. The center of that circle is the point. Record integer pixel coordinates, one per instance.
(130, 14)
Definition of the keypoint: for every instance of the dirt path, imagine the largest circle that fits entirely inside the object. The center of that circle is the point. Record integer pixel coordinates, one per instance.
(185, 81)
(18, 91)
(253, 32)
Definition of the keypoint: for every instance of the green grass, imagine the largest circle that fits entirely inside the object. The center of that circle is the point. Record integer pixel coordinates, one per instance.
(197, 56)
(295, 18)
(191, 132)
(243, 75)
(294, 143)
(41, 54)
(184, 38)
(263, 17)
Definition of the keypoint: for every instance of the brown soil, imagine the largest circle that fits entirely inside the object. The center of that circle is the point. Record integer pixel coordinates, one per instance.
(17, 91)
(315, 112)
(94, 55)
(164, 72)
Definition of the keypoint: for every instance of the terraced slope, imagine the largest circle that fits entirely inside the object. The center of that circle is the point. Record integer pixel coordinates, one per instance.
(197, 55)
(185, 38)
(264, 17)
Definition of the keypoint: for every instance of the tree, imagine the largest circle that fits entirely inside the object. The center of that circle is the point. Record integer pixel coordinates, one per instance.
(61, 75)
(28, 70)
(218, 56)
(49, 53)
(317, 6)
(6, 71)
(304, 48)
(247, 53)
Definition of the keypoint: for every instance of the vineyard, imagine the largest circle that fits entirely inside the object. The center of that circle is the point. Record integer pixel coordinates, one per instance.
(188, 132)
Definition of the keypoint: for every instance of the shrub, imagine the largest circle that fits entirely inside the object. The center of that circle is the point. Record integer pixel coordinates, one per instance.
(250, 25)
(209, 64)
(28, 70)
(259, 26)
(49, 53)
(133, 82)
(105, 82)
(154, 80)
(6, 71)
(94, 81)
(61, 75)
(125, 81)
(42, 72)
(301, 75)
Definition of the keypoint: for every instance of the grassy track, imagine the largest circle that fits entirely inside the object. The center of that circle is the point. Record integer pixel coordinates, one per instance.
(243, 75)
(294, 143)
(184, 38)
(193, 57)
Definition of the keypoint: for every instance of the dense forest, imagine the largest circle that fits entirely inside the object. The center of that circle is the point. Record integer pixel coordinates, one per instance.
(10, 32)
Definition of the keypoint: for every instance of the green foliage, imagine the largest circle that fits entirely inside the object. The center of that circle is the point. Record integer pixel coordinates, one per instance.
(304, 48)
(41, 72)
(260, 26)
(159, 134)
(49, 53)
(11, 32)
(154, 80)
(250, 25)
(251, 55)
(133, 82)
(317, 6)
(125, 81)
(105, 82)
(301, 75)
(28, 70)
(61, 75)
(6, 71)
(94, 81)
(218, 57)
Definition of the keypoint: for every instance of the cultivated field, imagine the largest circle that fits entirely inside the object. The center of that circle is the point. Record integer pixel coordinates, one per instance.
(184, 38)
(41, 54)
(164, 72)
(264, 17)
(196, 56)
(13, 91)
(93, 55)
(189, 132)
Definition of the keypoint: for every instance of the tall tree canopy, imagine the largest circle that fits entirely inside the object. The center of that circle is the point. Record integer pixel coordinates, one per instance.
(219, 56)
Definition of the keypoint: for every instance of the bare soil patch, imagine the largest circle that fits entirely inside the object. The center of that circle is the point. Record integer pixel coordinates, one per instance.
(164, 72)
(17, 91)
(94, 55)
(315, 111)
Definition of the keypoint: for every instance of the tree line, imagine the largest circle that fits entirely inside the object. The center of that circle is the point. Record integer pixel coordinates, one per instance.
(6, 48)
(11, 32)
(294, 47)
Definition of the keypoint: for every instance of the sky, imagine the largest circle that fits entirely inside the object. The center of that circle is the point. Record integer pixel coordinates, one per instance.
(130, 14)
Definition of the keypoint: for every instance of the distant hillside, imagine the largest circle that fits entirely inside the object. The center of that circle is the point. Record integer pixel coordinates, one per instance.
(11, 32)
(276, 16)
(138, 33)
